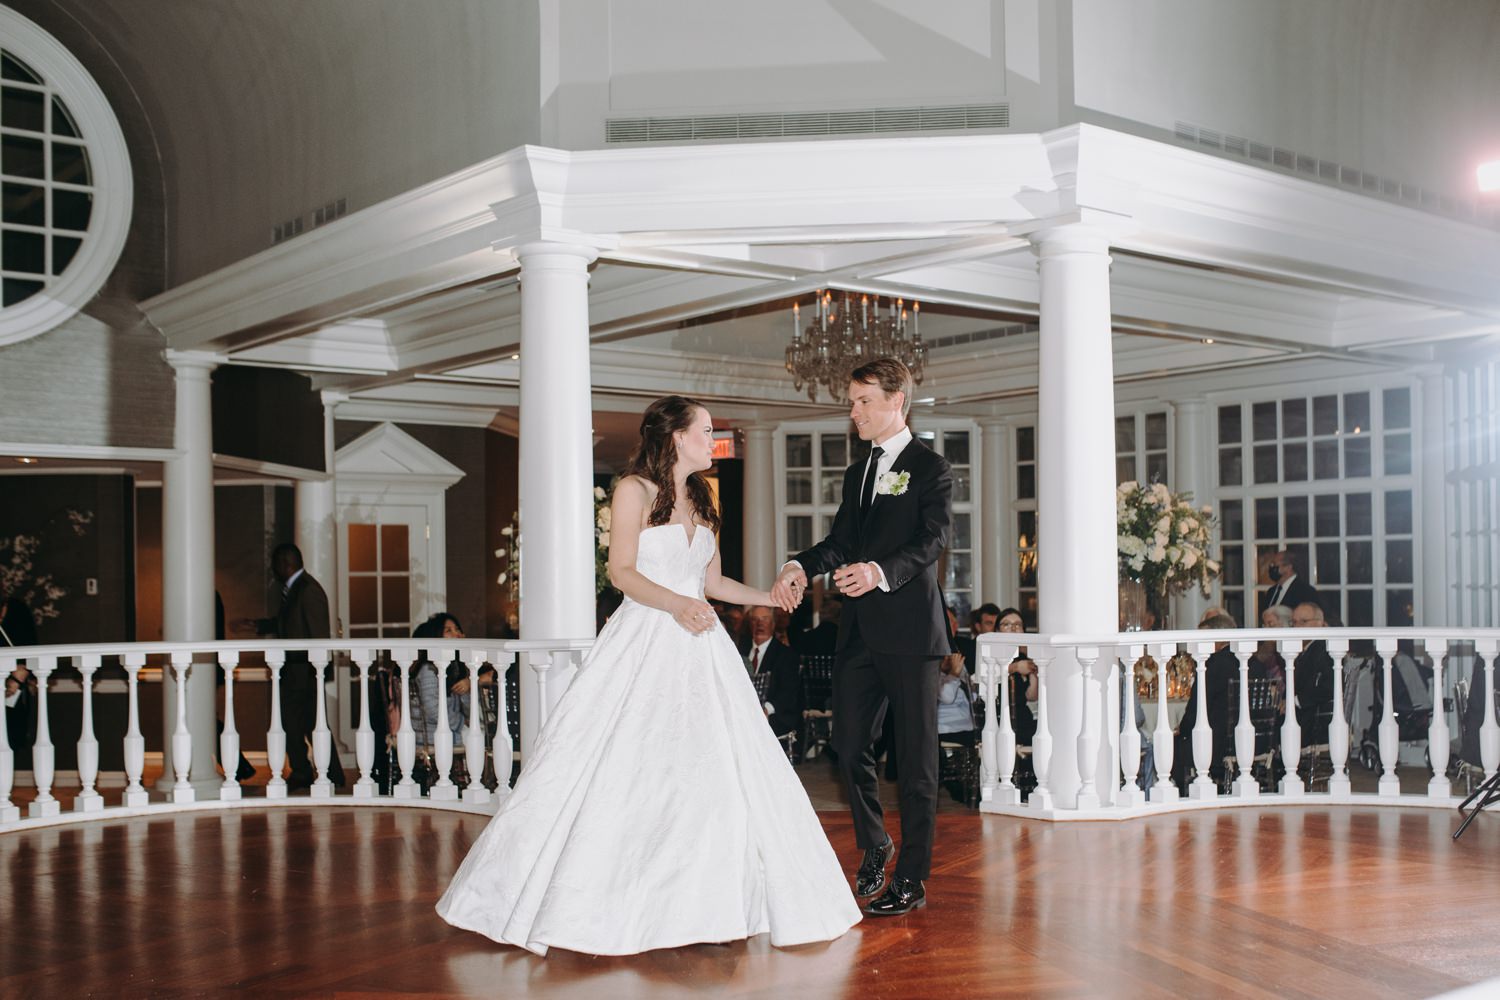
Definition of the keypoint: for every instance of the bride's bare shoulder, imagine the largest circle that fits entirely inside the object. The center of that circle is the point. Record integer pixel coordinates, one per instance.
(636, 488)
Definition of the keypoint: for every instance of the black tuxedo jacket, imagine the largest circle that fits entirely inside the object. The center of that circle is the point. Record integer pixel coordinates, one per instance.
(304, 612)
(904, 535)
(1300, 592)
(785, 691)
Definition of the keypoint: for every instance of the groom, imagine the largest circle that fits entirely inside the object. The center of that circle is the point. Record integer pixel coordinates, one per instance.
(891, 527)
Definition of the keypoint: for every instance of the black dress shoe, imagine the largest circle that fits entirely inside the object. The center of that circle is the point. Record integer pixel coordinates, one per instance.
(871, 877)
(903, 896)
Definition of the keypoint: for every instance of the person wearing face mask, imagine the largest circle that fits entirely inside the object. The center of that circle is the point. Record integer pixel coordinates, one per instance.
(1287, 587)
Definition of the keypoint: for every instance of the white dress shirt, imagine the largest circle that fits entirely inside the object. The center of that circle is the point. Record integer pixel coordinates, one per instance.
(758, 657)
(1282, 586)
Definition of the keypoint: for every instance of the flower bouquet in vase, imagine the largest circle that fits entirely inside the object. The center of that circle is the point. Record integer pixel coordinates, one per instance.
(1163, 550)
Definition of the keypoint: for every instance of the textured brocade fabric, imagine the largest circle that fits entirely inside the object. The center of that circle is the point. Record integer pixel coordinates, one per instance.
(657, 808)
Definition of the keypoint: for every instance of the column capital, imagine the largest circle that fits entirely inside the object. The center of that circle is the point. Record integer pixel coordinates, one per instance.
(555, 255)
(1190, 402)
(994, 423)
(191, 362)
(332, 398)
(758, 430)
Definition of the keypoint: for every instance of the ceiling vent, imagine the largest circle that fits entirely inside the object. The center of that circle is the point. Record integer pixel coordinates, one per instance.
(1336, 174)
(807, 124)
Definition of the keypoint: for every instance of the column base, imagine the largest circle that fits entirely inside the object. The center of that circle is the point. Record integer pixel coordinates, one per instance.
(1246, 788)
(1440, 788)
(321, 789)
(1041, 800)
(51, 807)
(136, 800)
(9, 814)
(1203, 790)
(231, 792)
(1339, 785)
(1388, 787)
(406, 790)
(364, 788)
(1002, 795)
(1087, 800)
(1164, 792)
(1130, 796)
(188, 794)
(476, 795)
(276, 789)
(88, 802)
(1293, 788)
(442, 793)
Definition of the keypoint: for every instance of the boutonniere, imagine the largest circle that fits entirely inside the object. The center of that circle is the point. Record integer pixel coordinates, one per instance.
(892, 484)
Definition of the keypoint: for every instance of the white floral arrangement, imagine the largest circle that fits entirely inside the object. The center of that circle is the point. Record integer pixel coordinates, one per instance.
(510, 554)
(892, 484)
(1164, 539)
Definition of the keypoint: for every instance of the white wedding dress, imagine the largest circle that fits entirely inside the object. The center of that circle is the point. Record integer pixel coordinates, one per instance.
(657, 808)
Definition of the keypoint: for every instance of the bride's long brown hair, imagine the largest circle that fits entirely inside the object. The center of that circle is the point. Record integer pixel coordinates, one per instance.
(656, 455)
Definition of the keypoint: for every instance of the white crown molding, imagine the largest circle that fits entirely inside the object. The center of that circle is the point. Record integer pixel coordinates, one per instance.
(443, 414)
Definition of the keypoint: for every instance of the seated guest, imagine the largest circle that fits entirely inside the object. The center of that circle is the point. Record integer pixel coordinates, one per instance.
(1314, 677)
(955, 702)
(732, 616)
(1022, 678)
(985, 619)
(1266, 655)
(426, 686)
(783, 698)
(1221, 665)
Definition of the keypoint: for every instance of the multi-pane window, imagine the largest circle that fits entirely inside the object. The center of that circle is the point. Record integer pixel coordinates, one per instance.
(1305, 474)
(1026, 524)
(1141, 448)
(1472, 405)
(46, 184)
(812, 464)
(379, 559)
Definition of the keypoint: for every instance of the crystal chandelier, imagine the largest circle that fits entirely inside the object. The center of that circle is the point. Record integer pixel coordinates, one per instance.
(841, 338)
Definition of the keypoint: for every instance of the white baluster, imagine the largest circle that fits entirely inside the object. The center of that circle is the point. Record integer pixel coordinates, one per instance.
(43, 759)
(1438, 786)
(1163, 749)
(1245, 784)
(322, 738)
(1000, 767)
(88, 800)
(1489, 730)
(502, 751)
(541, 663)
(1041, 743)
(135, 796)
(1130, 737)
(275, 735)
(9, 812)
(444, 790)
(1338, 728)
(475, 793)
(1203, 787)
(1291, 730)
(182, 737)
(1088, 732)
(406, 737)
(1389, 730)
(229, 739)
(364, 737)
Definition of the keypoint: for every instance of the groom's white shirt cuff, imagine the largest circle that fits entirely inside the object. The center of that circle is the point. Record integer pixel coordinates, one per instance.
(880, 573)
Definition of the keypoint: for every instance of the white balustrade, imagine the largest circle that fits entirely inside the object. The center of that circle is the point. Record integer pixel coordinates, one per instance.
(1041, 742)
(322, 738)
(88, 799)
(1489, 732)
(1088, 736)
(999, 734)
(136, 796)
(276, 788)
(1438, 786)
(475, 793)
(9, 813)
(229, 739)
(182, 739)
(42, 756)
(406, 737)
(443, 790)
(501, 750)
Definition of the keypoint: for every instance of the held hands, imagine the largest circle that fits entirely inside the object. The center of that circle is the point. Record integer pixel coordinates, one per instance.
(695, 616)
(787, 592)
(856, 579)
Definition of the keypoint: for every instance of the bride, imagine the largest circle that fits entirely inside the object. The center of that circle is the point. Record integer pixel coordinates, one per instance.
(657, 808)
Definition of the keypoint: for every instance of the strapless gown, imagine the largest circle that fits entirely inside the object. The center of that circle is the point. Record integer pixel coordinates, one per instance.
(657, 808)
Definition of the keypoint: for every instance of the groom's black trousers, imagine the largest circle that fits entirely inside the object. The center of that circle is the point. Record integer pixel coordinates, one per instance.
(866, 684)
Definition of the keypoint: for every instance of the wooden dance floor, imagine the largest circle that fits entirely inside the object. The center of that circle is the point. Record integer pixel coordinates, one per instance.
(338, 902)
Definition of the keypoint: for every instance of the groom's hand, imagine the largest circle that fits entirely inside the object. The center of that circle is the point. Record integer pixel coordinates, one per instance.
(788, 589)
(856, 579)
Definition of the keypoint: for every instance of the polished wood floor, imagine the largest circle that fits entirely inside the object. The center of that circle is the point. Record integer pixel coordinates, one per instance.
(338, 902)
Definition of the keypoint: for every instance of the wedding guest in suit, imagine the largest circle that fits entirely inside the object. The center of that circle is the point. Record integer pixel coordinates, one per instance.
(768, 655)
(303, 615)
(1313, 670)
(891, 527)
(1287, 587)
(1222, 664)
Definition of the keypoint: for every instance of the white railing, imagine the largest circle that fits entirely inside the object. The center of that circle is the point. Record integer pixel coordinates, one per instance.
(1102, 773)
(544, 658)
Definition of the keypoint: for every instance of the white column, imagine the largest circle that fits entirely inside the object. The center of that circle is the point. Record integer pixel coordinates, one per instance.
(1077, 589)
(1190, 474)
(995, 582)
(1432, 599)
(316, 531)
(556, 487)
(761, 557)
(187, 555)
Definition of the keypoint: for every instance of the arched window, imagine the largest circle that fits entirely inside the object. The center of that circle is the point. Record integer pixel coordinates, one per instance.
(65, 187)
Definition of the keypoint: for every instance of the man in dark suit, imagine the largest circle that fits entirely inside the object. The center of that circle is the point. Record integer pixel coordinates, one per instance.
(1286, 586)
(883, 549)
(303, 615)
(1314, 677)
(778, 663)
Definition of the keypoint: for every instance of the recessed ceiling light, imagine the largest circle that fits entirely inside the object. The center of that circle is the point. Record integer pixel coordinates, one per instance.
(1208, 340)
(515, 357)
(28, 461)
(927, 399)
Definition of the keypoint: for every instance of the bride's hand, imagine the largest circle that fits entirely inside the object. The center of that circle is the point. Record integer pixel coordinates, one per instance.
(695, 616)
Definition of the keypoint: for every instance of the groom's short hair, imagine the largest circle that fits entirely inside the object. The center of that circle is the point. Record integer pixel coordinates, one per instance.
(891, 375)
